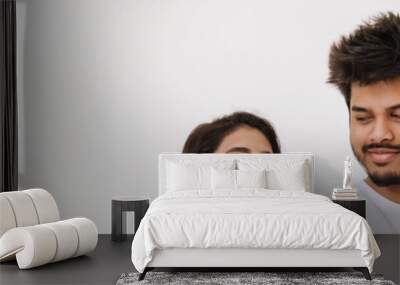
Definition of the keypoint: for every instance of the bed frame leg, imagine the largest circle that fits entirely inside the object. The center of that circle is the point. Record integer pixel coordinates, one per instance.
(364, 271)
(143, 274)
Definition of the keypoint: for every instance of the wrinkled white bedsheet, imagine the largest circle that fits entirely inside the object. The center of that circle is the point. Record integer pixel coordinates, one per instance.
(250, 219)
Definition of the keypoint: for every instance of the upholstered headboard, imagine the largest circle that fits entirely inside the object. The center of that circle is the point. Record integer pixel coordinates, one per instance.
(247, 160)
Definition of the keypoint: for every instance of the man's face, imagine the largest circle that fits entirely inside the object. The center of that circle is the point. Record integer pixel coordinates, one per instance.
(375, 129)
(245, 140)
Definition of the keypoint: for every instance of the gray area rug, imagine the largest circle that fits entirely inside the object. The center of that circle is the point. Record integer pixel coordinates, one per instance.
(225, 278)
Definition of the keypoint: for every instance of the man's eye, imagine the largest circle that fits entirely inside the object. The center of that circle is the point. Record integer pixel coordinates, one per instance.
(363, 119)
(395, 115)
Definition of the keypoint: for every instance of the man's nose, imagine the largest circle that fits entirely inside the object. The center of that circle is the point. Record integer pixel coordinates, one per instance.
(381, 132)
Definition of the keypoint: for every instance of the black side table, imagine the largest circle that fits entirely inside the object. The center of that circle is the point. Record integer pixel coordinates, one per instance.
(357, 206)
(119, 207)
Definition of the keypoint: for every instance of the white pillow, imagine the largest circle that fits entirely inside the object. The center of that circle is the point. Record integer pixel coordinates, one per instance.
(292, 178)
(238, 179)
(187, 175)
(223, 179)
(281, 174)
(251, 178)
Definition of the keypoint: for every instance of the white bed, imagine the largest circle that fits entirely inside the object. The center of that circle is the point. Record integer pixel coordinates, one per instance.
(201, 219)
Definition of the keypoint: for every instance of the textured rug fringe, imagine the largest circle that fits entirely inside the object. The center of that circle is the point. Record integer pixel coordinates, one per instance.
(244, 278)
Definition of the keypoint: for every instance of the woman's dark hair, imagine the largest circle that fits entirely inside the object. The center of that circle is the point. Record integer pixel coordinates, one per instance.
(368, 55)
(206, 137)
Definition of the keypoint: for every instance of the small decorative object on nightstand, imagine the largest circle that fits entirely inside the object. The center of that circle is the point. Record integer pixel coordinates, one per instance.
(357, 206)
(347, 192)
(121, 205)
(347, 196)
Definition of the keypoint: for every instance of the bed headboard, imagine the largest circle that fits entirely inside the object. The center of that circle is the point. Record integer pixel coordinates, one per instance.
(165, 158)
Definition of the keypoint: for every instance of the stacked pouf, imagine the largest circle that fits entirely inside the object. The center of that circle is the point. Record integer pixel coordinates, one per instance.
(31, 231)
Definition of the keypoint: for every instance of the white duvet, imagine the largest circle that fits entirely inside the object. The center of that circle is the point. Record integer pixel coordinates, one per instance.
(250, 219)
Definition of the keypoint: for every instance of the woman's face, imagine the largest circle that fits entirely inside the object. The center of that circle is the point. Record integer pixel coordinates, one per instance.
(245, 139)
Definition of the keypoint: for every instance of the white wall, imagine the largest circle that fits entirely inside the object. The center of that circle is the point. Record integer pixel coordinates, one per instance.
(106, 85)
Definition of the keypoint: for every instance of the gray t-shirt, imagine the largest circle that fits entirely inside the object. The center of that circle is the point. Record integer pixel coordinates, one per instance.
(383, 215)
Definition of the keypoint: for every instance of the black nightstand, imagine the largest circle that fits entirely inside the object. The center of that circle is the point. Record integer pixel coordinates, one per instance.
(119, 207)
(357, 206)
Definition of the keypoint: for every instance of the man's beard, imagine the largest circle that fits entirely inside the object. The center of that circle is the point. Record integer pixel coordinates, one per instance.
(382, 180)
(387, 179)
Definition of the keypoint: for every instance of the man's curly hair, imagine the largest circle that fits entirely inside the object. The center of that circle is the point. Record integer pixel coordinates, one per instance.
(368, 55)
